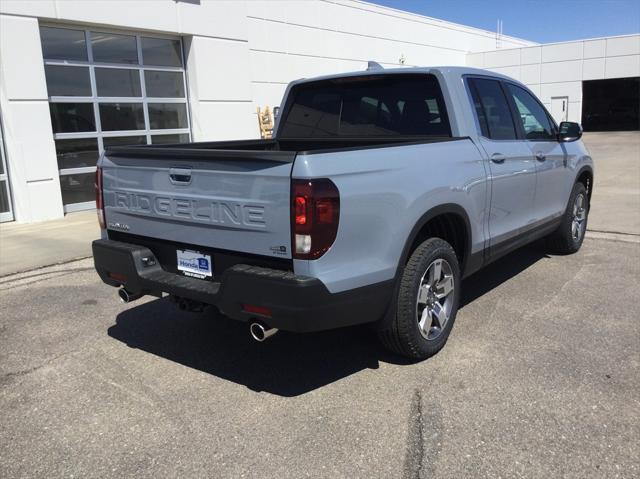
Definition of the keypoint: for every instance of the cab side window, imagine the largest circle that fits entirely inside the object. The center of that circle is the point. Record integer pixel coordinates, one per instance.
(492, 109)
(535, 122)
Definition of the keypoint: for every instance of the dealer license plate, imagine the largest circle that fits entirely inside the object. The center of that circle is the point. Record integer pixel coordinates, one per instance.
(195, 264)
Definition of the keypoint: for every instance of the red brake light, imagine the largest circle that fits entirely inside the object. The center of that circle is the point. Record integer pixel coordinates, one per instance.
(99, 198)
(301, 210)
(261, 310)
(118, 277)
(315, 216)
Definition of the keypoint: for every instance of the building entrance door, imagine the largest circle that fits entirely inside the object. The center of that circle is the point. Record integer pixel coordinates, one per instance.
(560, 108)
(6, 212)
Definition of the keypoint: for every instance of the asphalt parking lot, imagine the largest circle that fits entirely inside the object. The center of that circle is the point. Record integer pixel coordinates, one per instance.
(539, 379)
(540, 376)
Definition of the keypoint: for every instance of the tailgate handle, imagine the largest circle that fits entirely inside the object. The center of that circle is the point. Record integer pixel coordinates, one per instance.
(180, 176)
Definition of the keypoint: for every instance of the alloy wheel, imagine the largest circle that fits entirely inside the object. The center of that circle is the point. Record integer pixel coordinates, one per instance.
(578, 221)
(435, 299)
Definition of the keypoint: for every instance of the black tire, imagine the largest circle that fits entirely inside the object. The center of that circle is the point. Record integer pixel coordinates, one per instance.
(564, 239)
(402, 334)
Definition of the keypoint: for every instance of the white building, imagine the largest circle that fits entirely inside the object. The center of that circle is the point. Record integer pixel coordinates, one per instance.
(77, 75)
(571, 78)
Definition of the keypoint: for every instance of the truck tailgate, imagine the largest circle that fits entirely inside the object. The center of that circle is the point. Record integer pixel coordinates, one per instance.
(227, 199)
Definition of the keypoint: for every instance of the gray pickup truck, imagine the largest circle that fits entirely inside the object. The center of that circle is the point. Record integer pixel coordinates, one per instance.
(380, 192)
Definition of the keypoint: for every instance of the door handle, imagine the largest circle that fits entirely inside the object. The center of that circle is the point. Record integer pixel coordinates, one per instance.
(498, 158)
(180, 176)
(540, 156)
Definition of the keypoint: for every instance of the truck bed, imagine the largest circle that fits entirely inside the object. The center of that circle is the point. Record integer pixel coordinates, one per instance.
(278, 150)
(217, 196)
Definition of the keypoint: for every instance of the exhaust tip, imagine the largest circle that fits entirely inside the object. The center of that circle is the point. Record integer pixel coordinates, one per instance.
(261, 333)
(257, 332)
(126, 296)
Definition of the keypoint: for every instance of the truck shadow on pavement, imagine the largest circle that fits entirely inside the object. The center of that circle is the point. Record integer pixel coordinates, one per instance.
(288, 364)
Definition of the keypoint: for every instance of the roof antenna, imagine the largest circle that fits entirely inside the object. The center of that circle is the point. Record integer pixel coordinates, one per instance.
(371, 65)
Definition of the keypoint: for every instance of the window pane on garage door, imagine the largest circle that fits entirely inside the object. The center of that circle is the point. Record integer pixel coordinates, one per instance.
(161, 84)
(77, 153)
(67, 81)
(72, 117)
(5, 206)
(108, 141)
(161, 51)
(77, 188)
(121, 116)
(167, 139)
(63, 44)
(118, 82)
(110, 48)
(167, 115)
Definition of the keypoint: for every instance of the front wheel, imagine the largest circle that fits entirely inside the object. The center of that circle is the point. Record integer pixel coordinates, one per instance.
(568, 238)
(427, 304)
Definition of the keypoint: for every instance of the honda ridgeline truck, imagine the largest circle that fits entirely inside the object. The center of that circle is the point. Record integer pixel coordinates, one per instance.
(381, 190)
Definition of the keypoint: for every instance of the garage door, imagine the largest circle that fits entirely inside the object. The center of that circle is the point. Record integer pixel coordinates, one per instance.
(611, 105)
(109, 88)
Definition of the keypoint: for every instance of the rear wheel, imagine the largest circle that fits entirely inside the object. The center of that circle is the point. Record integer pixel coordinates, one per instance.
(568, 238)
(427, 303)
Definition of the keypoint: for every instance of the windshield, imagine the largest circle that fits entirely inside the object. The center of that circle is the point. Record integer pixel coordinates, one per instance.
(371, 106)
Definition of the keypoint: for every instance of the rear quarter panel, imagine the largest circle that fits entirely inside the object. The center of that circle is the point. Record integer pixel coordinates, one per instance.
(383, 194)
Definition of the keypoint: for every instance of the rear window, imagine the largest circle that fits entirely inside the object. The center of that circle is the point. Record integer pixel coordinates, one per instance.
(373, 106)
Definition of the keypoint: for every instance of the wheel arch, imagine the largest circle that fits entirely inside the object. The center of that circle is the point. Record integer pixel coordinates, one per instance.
(585, 176)
(457, 216)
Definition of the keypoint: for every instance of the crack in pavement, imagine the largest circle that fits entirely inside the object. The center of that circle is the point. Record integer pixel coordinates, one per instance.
(589, 230)
(415, 453)
(424, 441)
(6, 378)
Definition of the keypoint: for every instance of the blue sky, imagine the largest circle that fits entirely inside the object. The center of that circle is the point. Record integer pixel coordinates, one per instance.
(541, 21)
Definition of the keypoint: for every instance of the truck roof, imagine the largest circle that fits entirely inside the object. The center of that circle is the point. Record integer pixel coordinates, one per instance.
(445, 70)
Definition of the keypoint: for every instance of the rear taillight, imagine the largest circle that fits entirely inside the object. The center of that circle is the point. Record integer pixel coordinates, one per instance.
(99, 198)
(261, 310)
(315, 212)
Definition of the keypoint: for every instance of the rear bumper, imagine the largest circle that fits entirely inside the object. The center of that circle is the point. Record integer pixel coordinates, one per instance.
(297, 303)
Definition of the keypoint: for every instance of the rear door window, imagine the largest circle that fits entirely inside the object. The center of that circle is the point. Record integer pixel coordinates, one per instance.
(492, 109)
(373, 106)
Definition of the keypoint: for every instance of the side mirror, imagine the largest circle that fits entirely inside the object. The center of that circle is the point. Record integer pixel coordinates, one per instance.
(569, 131)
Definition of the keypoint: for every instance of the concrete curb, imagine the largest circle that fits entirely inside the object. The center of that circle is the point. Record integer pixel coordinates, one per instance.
(591, 234)
(37, 268)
